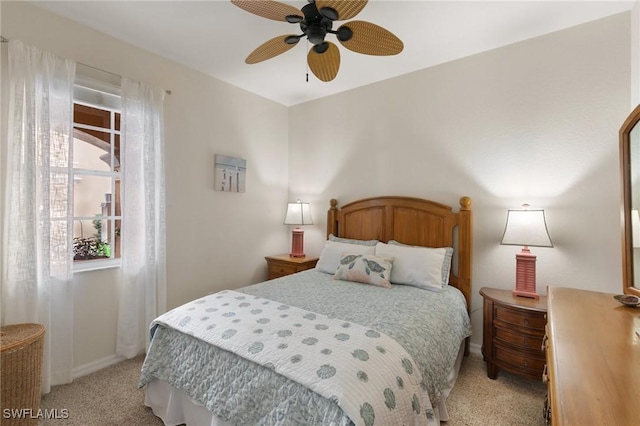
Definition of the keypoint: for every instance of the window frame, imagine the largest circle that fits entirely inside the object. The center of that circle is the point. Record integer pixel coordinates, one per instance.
(93, 94)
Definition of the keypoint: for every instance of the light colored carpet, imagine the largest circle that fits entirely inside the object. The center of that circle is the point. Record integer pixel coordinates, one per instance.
(111, 397)
(104, 398)
(476, 400)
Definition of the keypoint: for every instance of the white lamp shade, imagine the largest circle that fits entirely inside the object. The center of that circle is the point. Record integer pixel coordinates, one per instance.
(298, 214)
(526, 228)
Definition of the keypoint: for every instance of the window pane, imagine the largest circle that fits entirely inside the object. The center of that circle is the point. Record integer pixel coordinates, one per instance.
(91, 152)
(111, 236)
(116, 151)
(83, 229)
(90, 241)
(92, 116)
(92, 196)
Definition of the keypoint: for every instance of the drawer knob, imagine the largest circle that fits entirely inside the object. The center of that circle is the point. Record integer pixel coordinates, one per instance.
(526, 321)
(525, 342)
(525, 363)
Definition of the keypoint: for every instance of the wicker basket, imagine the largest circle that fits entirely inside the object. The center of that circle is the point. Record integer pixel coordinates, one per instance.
(20, 373)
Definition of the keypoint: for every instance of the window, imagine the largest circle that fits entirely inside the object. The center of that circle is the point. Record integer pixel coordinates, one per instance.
(97, 216)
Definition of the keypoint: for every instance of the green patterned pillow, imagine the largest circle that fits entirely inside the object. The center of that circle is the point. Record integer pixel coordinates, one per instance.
(365, 268)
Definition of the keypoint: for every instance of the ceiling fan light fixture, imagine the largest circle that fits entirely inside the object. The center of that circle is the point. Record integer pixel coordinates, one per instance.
(344, 33)
(292, 39)
(293, 19)
(321, 48)
(329, 13)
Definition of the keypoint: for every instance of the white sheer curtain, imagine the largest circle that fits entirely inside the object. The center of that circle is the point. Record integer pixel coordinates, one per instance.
(37, 255)
(143, 283)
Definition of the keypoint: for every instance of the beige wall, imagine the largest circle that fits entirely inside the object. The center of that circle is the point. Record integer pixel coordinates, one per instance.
(533, 122)
(215, 240)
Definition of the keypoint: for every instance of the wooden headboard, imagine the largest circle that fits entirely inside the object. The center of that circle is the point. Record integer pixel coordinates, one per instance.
(411, 221)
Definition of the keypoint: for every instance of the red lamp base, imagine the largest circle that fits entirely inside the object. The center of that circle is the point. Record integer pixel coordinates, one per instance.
(526, 274)
(297, 243)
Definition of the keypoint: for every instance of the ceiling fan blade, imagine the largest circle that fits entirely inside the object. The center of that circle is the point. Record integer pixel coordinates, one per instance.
(370, 39)
(269, 9)
(324, 64)
(271, 48)
(345, 9)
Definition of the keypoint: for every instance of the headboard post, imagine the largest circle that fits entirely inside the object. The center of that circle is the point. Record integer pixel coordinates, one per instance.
(332, 219)
(465, 233)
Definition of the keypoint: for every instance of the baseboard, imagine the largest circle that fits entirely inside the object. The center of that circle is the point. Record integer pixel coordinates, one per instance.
(475, 348)
(94, 366)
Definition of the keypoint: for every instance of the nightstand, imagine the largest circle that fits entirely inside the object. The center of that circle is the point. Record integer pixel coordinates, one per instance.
(513, 331)
(283, 264)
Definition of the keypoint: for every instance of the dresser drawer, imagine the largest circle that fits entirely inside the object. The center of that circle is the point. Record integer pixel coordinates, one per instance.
(520, 360)
(521, 318)
(520, 340)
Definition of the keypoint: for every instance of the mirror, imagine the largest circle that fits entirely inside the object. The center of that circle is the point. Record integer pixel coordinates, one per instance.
(630, 174)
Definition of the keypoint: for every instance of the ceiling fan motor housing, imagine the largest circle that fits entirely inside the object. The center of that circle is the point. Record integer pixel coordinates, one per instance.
(315, 26)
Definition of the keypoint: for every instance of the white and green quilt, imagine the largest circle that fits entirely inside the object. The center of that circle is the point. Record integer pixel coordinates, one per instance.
(305, 349)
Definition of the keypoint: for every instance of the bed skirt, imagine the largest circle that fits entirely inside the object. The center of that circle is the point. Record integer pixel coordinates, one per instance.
(174, 407)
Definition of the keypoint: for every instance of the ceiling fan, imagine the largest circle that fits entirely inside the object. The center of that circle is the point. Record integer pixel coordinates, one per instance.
(316, 20)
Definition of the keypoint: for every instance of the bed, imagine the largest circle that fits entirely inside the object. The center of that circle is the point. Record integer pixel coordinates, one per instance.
(375, 334)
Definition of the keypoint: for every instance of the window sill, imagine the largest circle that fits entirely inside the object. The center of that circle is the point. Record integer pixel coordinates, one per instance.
(94, 265)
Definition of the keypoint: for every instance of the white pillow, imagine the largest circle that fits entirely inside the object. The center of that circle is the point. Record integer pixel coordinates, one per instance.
(332, 252)
(446, 265)
(352, 241)
(422, 267)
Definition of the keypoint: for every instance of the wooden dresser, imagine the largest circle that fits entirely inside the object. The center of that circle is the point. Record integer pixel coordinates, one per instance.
(513, 329)
(593, 359)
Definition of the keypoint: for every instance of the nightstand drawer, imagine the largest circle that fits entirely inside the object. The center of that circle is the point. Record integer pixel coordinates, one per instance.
(277, 271)
(520, 360)
(524, 341)
(282, 265)
(520, 318)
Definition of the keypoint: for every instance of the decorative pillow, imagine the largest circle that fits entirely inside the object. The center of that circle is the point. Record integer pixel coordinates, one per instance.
(446, 265)
(332, 252)
(365, 268)
(352, 241)
(422, 267)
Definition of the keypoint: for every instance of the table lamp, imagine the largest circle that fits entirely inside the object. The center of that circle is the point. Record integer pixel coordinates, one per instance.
(526, 228)
(298, 213)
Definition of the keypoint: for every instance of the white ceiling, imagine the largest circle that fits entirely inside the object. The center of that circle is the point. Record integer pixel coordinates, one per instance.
(215, 37)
